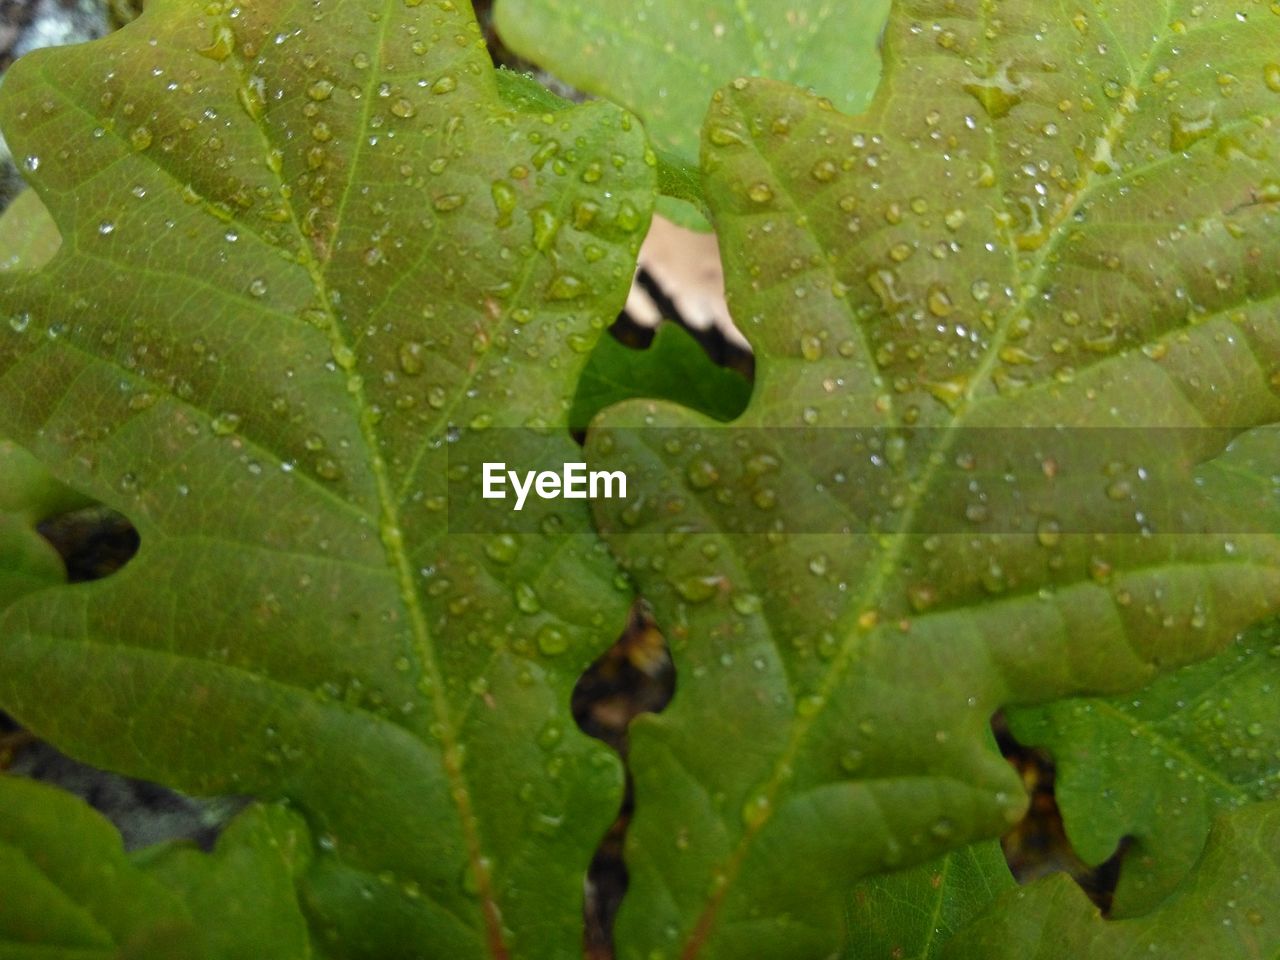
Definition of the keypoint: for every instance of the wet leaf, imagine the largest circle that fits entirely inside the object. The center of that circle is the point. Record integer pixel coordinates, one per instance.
(911, 914)
(304, 251)
(1225, 909)
(664, 60)
(1011, 440)
(1158, 765)
(72, 894)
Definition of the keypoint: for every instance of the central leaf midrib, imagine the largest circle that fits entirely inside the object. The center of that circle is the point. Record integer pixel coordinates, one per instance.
(391, 531)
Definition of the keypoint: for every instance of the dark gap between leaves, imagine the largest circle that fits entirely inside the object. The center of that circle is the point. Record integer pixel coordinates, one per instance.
(634, 676)
(1038, 845)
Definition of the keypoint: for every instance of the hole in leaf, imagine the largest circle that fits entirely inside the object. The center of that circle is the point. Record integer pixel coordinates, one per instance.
(1038, 844)
(632, 677)
(94, 542)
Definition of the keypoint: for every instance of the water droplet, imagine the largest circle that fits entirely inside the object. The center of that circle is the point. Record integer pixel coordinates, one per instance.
(411, 357)
(628, 217)
(760, 192)
(552, 641)
(723, 136)
(327, 469)
(1271, 76)
(220, 46)
(1099, 570)
(998, 93)
(448, 201)
(140, 138)
(505, 200)
(106, 228)
(697, 589)
(344, 356)
(824, 171)
(258, 287)
(922, 596)
(943, 829)
(566, 286)
(446, 84)
(756, 810)
(950, 393)
(527, 599)
(1049, 532)
(403, 108)
(810, 704)
(939, 301)
(503, 548)
(225, 424)
(702, 474)
(1184, 131)
(251, 101)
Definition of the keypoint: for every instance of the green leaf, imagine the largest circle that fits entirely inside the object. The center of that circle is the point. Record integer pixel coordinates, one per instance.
(1226, 909)
(1008, 442)
(68, 884)
(1159, 765)
(663, 60)
(674, 367)
(242, 895)
(28, 236)
(911, 914)
(72, 894)
(303, 251)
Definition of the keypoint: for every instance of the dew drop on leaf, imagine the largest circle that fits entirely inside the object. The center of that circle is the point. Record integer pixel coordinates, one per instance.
(552, 641)
(411, 356)
(697, 589)
(1186, 130)
(756, 810)
(702, 473)
(225, 424)
(527, 599)
(327, 469)
(220, 46)
(566, 286)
